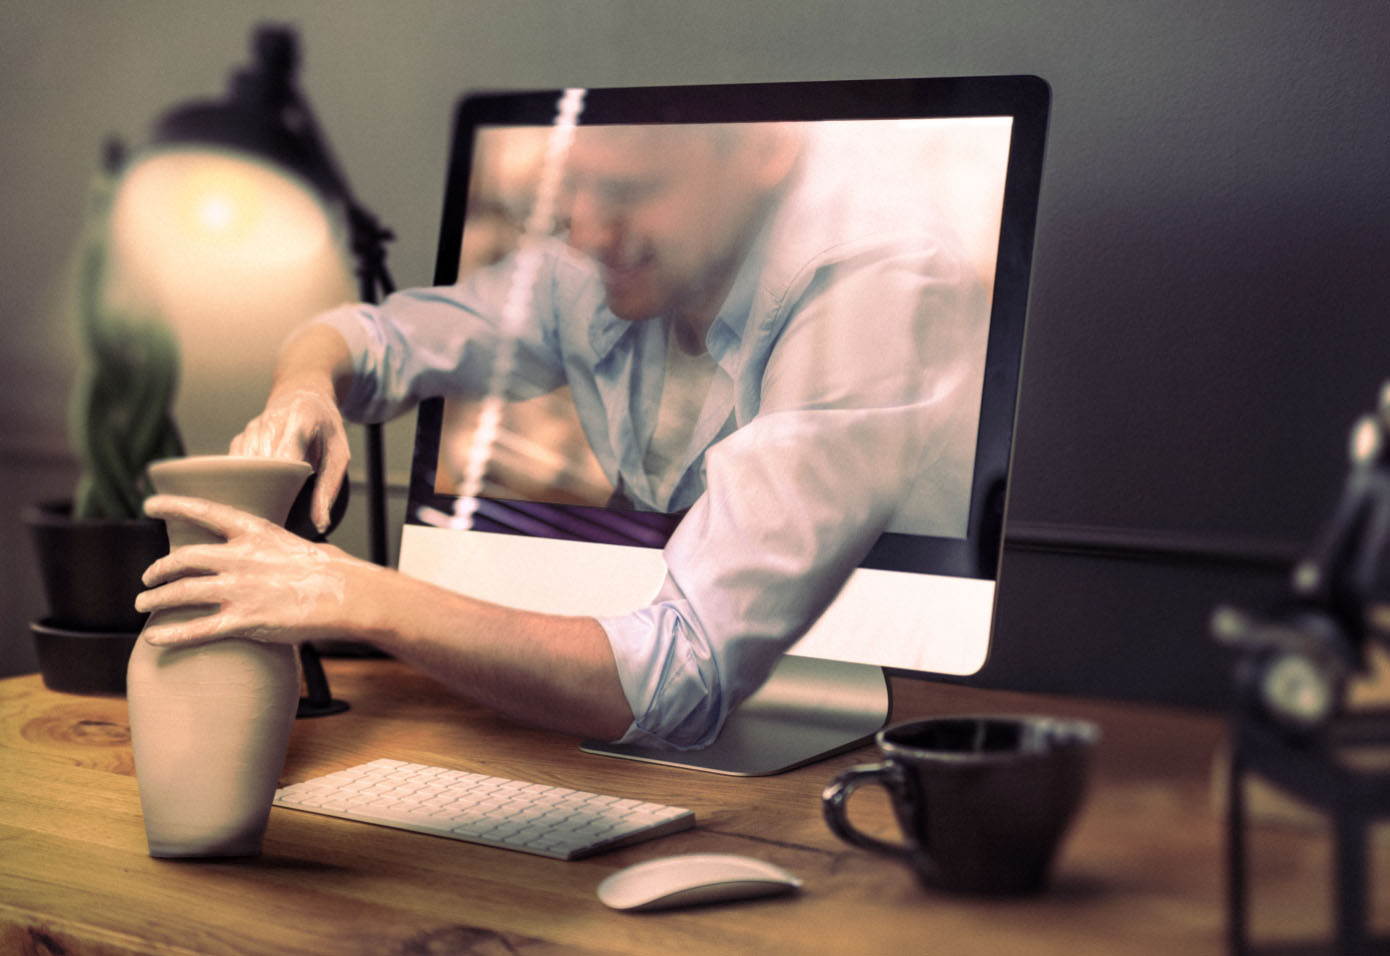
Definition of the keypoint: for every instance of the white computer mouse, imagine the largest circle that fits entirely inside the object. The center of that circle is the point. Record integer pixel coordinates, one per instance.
(693, 878)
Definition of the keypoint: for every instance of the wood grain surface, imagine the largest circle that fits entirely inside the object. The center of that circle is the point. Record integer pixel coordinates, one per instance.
(1141, 872)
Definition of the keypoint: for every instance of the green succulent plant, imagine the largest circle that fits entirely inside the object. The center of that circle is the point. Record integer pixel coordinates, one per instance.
(121, 415)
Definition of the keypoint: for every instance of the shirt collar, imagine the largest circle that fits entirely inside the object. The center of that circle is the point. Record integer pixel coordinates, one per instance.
(726, 332)
(730, 326)
(606, 330)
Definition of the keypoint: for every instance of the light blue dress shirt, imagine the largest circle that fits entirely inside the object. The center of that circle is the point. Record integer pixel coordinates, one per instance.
(850, 356)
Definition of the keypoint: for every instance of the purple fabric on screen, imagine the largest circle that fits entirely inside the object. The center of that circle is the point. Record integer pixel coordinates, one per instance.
(646, 529)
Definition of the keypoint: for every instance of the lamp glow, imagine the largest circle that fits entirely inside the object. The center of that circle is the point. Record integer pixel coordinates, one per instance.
(177, 207)
(220, 213)
(233, 253)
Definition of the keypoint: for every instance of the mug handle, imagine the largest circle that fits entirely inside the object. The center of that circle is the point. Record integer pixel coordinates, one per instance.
(835, 797)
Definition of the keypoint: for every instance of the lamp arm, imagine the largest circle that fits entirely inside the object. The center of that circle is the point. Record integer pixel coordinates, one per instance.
(368, 241)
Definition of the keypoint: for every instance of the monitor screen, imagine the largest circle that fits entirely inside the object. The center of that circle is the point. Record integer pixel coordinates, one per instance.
(837, 266)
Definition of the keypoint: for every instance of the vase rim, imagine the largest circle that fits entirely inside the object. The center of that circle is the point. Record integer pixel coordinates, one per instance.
(232, 463)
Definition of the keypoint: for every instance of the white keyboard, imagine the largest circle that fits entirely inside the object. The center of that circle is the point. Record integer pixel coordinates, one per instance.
(494, 811)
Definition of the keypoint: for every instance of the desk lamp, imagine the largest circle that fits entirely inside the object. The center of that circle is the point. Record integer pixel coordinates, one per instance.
(250, 182)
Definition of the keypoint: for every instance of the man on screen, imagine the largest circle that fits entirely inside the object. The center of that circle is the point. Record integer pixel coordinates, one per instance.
(746, 334)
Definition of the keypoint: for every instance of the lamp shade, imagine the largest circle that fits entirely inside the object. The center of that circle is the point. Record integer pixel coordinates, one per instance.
(258, 130)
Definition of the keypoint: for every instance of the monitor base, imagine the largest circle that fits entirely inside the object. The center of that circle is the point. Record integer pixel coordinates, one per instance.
(808, 710)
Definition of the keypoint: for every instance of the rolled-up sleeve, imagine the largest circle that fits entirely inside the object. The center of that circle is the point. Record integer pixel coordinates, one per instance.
(445, 340)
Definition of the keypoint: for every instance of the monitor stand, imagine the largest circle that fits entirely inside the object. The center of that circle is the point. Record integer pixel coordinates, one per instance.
(809, 709)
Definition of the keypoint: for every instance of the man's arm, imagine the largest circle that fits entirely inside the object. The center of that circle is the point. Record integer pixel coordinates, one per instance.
(314, 356)
(552, 671)
(267, 584)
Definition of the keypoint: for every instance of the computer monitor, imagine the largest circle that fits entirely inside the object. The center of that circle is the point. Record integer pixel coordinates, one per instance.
(511, 499)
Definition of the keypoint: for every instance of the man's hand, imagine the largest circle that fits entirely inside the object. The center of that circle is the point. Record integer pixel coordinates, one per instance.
(263, 583)
(301, 418)
(302, 423)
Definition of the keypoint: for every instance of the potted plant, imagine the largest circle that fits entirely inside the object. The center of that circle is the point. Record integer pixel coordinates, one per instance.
(93, 548)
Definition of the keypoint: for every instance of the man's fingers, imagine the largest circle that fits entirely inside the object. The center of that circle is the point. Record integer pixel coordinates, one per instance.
(188, 561)
(286, 440)
(278, 432)
(185, 592)
(332, 472)
(256, 439)
(174, 630)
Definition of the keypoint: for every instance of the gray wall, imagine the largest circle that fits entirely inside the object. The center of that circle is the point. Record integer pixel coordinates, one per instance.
(1208, 297)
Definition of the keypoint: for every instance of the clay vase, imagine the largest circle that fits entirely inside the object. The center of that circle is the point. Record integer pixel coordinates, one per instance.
(210, 724)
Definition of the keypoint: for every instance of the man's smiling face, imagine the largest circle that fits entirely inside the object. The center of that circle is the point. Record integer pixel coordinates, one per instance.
(665, 212)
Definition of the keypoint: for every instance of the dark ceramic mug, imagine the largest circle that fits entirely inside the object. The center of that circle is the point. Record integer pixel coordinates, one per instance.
(983, 801)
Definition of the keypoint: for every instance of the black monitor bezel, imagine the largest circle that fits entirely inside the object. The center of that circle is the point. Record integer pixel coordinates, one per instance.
(1024, 98)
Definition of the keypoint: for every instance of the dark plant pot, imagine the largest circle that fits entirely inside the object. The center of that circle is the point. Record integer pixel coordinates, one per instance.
(91, 567)
(82, 662)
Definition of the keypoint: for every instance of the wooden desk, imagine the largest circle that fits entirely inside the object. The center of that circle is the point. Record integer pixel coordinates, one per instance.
(1141, 873)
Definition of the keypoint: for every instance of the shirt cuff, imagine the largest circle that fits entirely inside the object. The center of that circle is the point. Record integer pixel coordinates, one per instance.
(675, 699)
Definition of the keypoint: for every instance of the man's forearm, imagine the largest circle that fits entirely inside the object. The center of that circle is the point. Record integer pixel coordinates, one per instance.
(546, 670)
(317, 357)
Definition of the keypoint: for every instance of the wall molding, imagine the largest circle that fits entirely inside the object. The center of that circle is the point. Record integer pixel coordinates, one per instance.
(1037, 536)
(19, 451)
(1180, 547)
